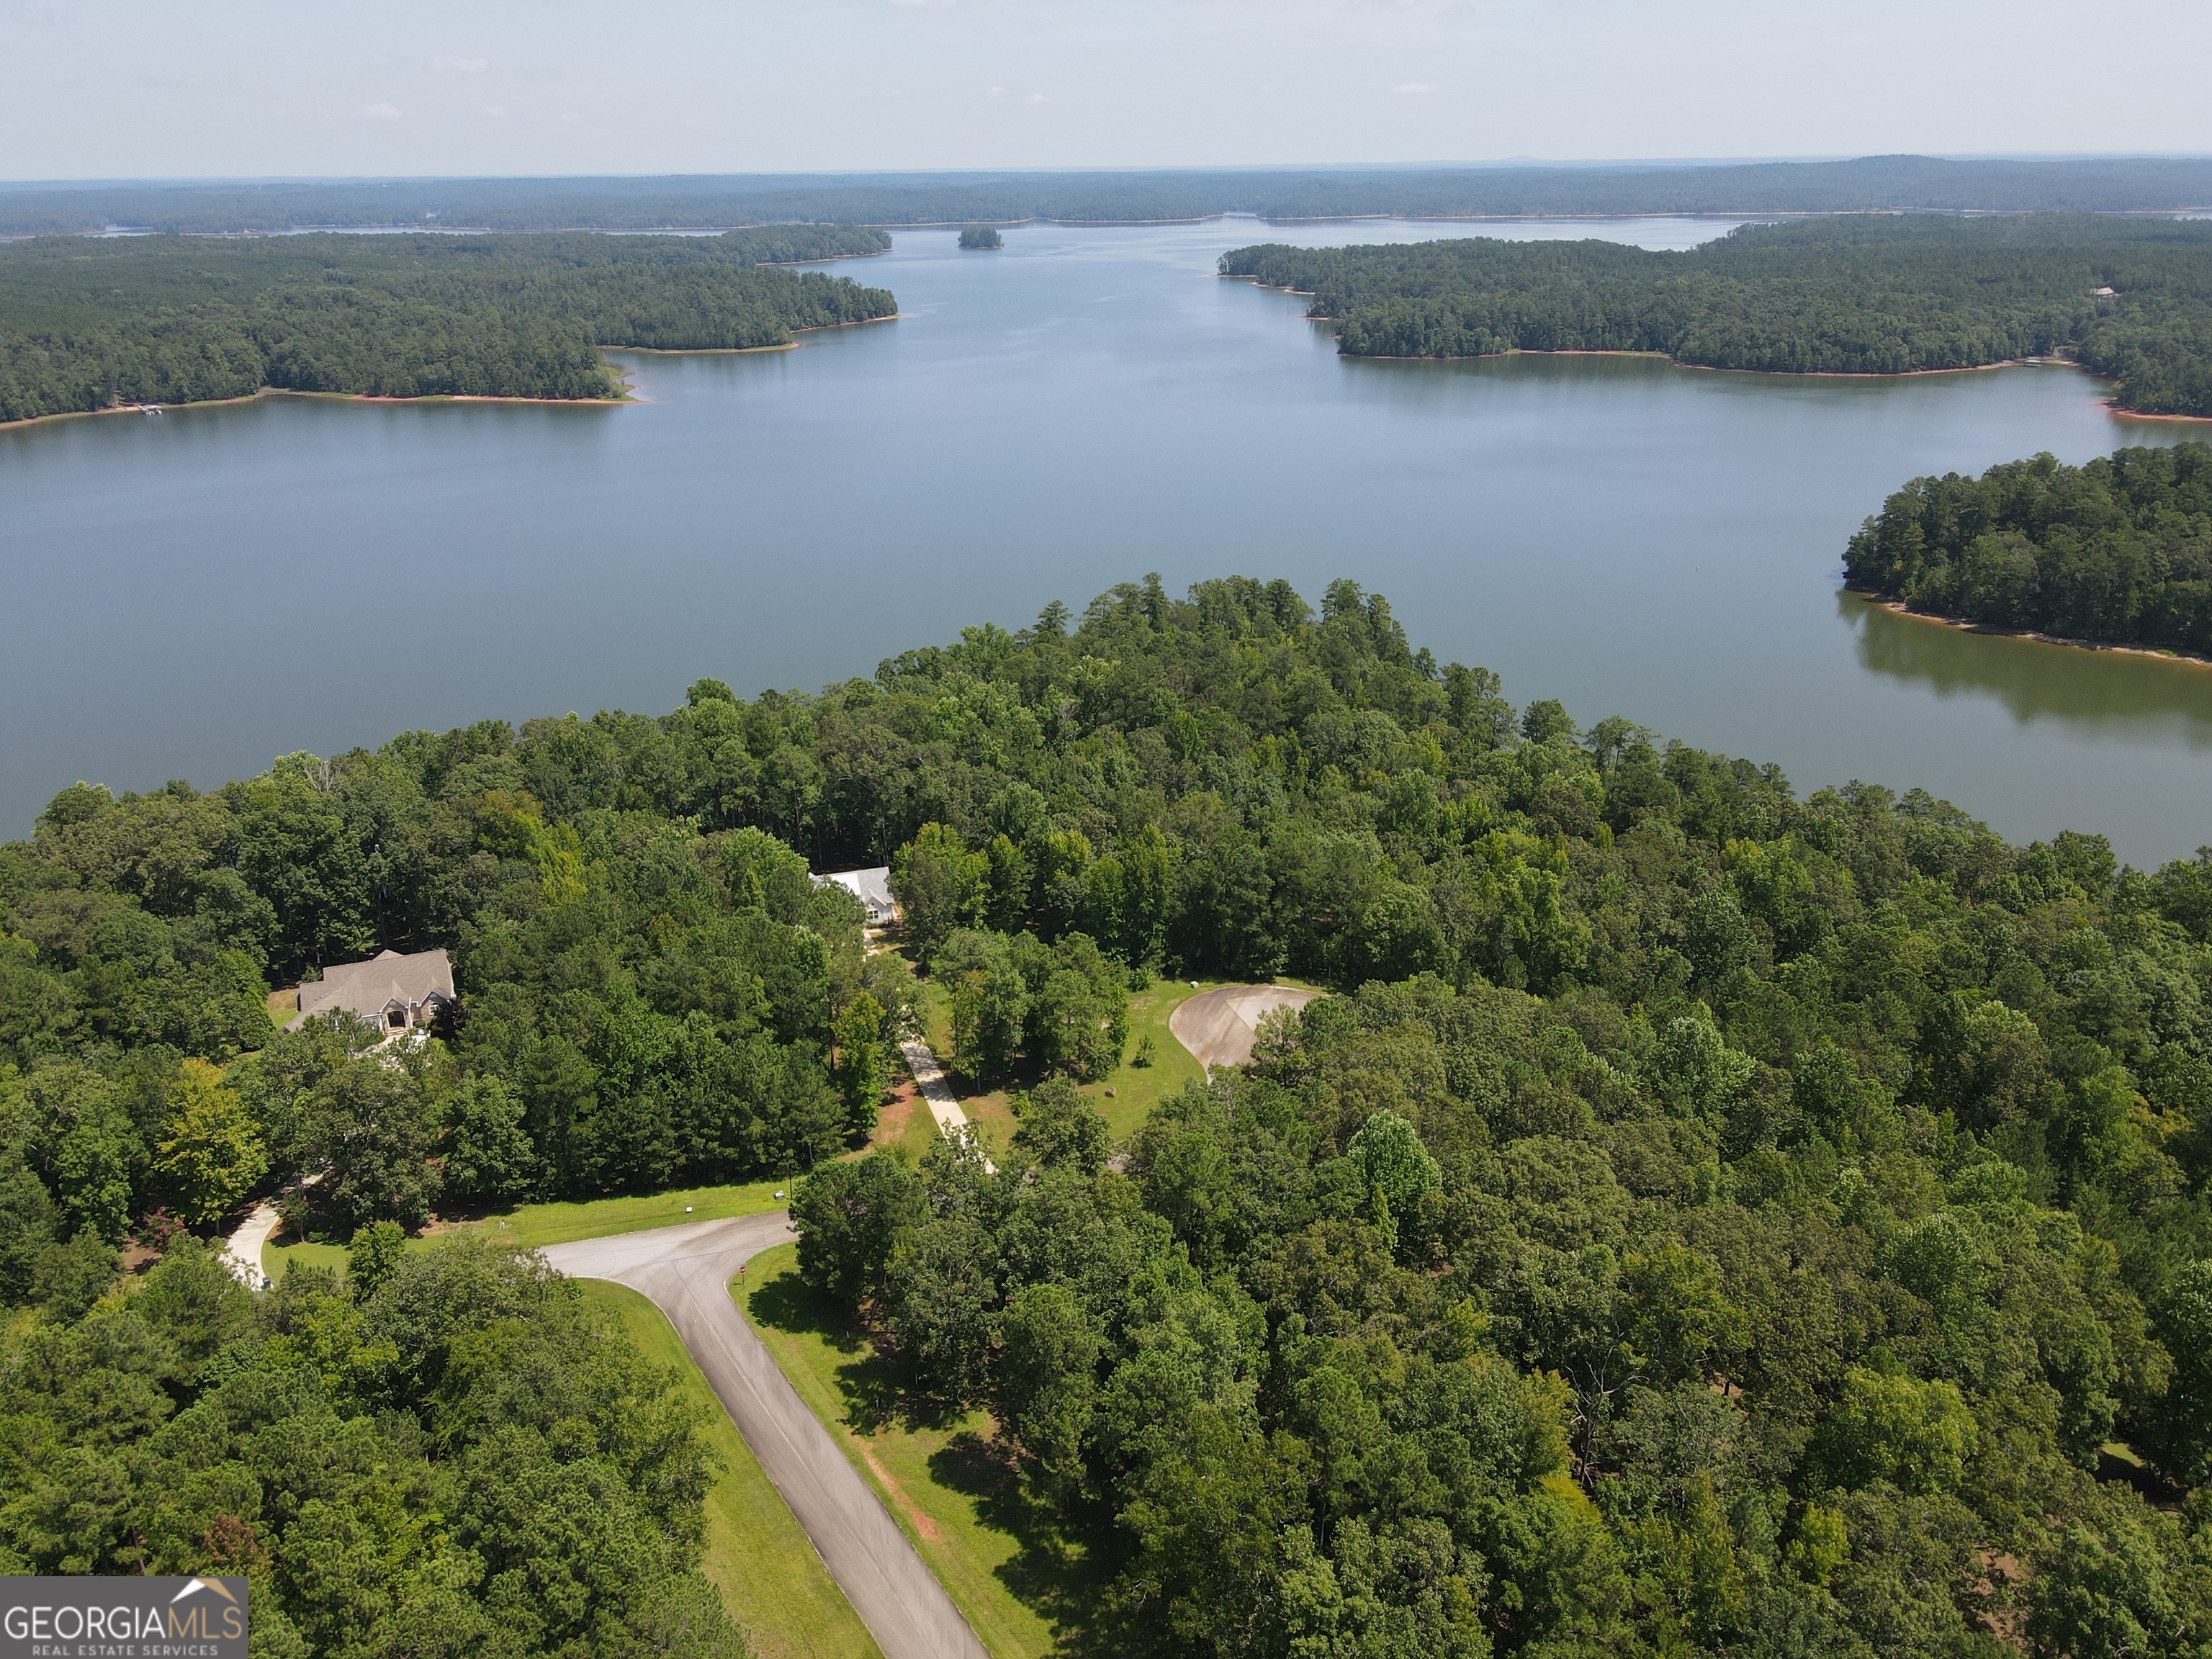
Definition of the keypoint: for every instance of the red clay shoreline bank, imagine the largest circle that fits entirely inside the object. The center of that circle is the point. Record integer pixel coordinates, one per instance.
(1898, 607)
(330, 396)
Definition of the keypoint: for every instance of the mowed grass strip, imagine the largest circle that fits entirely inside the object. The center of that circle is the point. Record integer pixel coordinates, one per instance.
(771, 1580)
(1020, 1582)
(535, 1226)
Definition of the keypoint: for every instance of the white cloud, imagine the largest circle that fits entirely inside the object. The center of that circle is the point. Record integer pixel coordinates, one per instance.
(1034, 97)
(381, 112)
(446, 64)
(495, 110)
(1412, 89)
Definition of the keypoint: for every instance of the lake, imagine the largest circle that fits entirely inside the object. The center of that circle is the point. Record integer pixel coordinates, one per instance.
(191, 595)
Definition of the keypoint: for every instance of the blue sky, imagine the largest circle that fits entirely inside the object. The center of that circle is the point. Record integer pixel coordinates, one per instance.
(156, 88)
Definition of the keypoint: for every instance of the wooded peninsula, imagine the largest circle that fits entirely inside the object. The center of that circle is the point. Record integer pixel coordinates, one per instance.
(91, 323)
(2118, 551)
(1701, 1218)
(2130, 299)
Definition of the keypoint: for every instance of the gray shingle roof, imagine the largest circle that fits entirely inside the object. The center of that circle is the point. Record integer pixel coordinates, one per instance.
(367, 988)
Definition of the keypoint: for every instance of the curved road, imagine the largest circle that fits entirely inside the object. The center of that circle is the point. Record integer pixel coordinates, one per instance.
(686, 1271)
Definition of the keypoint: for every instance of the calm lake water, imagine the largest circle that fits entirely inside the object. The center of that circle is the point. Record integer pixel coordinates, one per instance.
(191, 595)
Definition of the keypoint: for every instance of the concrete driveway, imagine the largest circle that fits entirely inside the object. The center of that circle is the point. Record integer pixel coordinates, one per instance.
(686, 1271)
(1218, 1026)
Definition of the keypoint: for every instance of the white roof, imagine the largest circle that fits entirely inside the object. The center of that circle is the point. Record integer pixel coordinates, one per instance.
(872, 887)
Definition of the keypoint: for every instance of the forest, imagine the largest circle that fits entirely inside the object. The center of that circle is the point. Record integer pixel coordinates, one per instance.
(88, 323)
(2118, 551)
(1703, 1218)
(1852, 295)
(1865, 185)
(447, 1455)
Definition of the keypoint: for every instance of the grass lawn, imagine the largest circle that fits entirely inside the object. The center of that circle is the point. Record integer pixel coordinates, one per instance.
(1137, 1088)
(771, 1580)
(991, 1110)
(538, 1225)
(1019, 1581)
(904, 1128)
(935, 1006)
(276, 1257)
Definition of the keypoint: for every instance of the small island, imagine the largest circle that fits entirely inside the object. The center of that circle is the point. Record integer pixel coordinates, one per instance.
(2127, 299)
(2116, 553)
(981, 237)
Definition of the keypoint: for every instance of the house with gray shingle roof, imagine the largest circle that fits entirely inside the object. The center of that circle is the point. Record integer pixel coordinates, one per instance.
(400, 993)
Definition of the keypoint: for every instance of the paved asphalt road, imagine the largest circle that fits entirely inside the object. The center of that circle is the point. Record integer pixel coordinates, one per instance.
(686, 1271)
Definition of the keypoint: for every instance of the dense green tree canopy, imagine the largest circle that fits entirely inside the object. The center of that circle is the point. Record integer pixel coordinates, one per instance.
(2119, 550)
(1853, 295)
(646, 1003)
(980, 236)
(453, 1459)
(1705, 1218)
(87, 324)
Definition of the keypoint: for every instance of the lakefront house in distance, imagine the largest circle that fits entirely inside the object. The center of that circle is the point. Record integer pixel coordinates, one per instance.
(401, 993)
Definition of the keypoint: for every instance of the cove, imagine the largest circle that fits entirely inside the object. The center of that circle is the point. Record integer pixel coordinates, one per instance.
(191, 595)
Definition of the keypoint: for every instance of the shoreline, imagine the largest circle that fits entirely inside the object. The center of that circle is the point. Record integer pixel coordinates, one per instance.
(2139, 414)
(1722, 368)
(267, 392)
(1899, 607)
(706, 352)
(628, 396)
(2112, 405)
(745, 351)
(826, 259)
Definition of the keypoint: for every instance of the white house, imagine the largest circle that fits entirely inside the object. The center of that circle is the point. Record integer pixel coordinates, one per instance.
(872, 887)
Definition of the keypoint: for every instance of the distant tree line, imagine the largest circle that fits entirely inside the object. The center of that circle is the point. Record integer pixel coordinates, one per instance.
(88, 323)
(1853, 295)
(2118, 551)
(1869, 184)
(797, 245)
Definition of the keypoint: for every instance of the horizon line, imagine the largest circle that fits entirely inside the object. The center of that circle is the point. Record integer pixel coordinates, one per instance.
(1516, 163)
